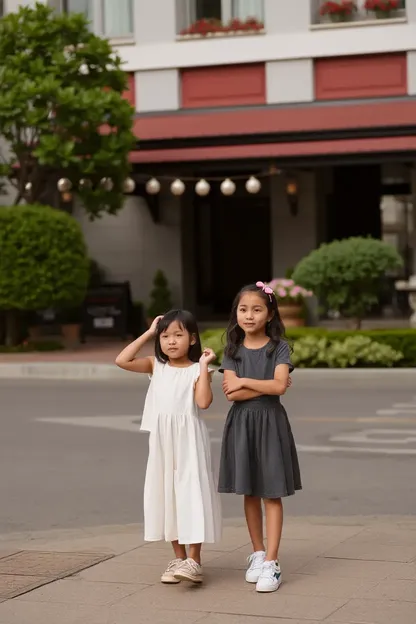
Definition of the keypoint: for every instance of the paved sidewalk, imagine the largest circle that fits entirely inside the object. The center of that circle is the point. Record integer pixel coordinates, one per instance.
(337, 571)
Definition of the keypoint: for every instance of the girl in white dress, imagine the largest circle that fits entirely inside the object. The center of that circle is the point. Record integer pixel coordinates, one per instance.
(181, 504)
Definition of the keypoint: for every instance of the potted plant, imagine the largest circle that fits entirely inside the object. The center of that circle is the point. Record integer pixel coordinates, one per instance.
(338, 11)
(160, 297)
(382, 9)
(347, 275)
(291, 301)
(212, 27)
(71, 322)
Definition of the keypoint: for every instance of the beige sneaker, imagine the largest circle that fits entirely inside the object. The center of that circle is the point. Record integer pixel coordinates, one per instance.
(168, 575)
(189, 570)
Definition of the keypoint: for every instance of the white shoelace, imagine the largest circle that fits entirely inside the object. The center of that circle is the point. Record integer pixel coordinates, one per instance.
(172, 565)
(269, 570)
(255, 560)
(192, 566)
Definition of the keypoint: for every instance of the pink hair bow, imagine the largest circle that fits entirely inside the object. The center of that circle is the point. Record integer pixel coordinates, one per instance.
(266, 289)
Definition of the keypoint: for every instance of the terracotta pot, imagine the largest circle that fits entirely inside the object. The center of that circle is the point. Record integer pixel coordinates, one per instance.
(34, 333)
(71, 334)
(291, 315)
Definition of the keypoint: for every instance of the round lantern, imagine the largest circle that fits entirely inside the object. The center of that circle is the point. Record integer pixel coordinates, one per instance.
(202, 188)
(253, 185)
(177, 188)
(64, 185)
(129, 185)
(152, 186)
(227, 187)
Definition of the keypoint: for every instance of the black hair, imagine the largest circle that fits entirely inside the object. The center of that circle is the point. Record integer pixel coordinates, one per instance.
(188, 322)
(275, 329)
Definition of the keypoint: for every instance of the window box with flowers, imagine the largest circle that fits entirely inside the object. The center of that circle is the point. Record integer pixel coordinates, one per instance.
(350, 13)
(383, 9)
(215, 28)
(338, 11)
(291, 301)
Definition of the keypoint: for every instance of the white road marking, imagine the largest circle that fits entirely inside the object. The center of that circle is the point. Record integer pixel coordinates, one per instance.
(130, 424)
(394, 412)
(304, 448)
(377, 436)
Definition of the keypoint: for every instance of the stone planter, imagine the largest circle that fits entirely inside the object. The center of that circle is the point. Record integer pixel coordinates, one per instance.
(71, 334)
(410, 288)
(338, 18)
(384, 14)
(291, 315)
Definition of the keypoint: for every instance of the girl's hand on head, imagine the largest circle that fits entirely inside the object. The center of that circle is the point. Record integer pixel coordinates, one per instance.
(232, 385)
(289, 381)
(155, 323)
(208, 356)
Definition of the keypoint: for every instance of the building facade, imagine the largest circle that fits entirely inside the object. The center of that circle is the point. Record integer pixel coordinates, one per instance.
(321, 107)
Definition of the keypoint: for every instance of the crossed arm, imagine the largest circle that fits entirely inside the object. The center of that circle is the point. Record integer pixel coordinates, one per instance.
(243, 389)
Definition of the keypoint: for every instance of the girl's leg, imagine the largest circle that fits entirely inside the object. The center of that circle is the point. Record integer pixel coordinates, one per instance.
(195, 552)
(254, 519)
(274, 525)
(180, 550)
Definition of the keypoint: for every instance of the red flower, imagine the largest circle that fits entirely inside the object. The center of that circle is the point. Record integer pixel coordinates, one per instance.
(343, 7)
(381, 5)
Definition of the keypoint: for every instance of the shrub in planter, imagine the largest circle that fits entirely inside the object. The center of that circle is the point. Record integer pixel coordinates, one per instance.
(160, 297)
(291, 299)
(355, 351)
(310, 344)
(347, 274)
(43, 261)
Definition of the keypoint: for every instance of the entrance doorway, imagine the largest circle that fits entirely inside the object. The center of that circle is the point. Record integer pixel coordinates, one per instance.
(232, 248)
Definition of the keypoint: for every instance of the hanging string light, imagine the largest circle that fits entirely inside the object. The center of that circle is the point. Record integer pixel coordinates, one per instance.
(177, 188)
(227, 187)
(202, 188)
(153, 186)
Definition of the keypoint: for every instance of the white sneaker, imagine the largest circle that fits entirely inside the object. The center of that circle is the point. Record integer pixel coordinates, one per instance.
(189, 570)
(168, 575)
(270, 578)
(255, 565)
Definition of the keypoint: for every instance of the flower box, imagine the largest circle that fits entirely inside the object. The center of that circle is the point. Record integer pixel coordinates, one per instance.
(382, 9)
(338, 10)
(215, 28)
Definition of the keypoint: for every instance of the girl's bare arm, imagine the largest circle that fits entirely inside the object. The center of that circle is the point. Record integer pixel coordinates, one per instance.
(244, 394)
(203, 389)
(127, 358)
(276, 386)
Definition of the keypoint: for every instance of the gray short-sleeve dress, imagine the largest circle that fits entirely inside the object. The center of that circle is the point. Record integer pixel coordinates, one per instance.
(258, 454)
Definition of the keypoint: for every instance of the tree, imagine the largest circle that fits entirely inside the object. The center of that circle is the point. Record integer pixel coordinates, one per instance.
(348, 274)
(43, 261)
(62, 112)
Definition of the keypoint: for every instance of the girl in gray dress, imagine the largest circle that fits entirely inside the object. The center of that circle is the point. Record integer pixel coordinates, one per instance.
(258, 455)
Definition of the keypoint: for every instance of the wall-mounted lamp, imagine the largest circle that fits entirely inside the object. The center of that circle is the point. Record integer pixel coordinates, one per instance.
(292, 194)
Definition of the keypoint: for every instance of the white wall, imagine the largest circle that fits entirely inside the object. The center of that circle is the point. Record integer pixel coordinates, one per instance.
(290, 81)
(131, 247)
(293, 236)
(157, 90)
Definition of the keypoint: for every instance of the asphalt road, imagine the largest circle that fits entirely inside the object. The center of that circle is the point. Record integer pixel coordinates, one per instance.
(71, 454)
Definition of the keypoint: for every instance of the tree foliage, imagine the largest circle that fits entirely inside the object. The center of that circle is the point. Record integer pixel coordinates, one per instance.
(43, 259)
(347, 274)
(61, 108)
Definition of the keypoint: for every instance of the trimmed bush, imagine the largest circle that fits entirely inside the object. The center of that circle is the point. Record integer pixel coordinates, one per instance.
(347, 275)
(402, 341)
(160, 296)
(43, 260)
(354, 351)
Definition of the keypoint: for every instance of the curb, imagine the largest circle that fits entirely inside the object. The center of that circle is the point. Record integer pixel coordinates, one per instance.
(83, 371)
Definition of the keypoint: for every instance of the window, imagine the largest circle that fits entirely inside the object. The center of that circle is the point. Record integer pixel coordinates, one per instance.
(117, 18)
(111, 18)
(219, 16)
(347, 11)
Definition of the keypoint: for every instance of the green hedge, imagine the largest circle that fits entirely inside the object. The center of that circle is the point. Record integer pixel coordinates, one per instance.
(401, 340)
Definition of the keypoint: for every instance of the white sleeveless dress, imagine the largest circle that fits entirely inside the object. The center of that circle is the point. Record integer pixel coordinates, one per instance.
(180, 498)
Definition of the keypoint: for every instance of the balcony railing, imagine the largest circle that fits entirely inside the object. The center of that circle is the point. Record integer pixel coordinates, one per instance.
(219, 18)
(344, 12)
